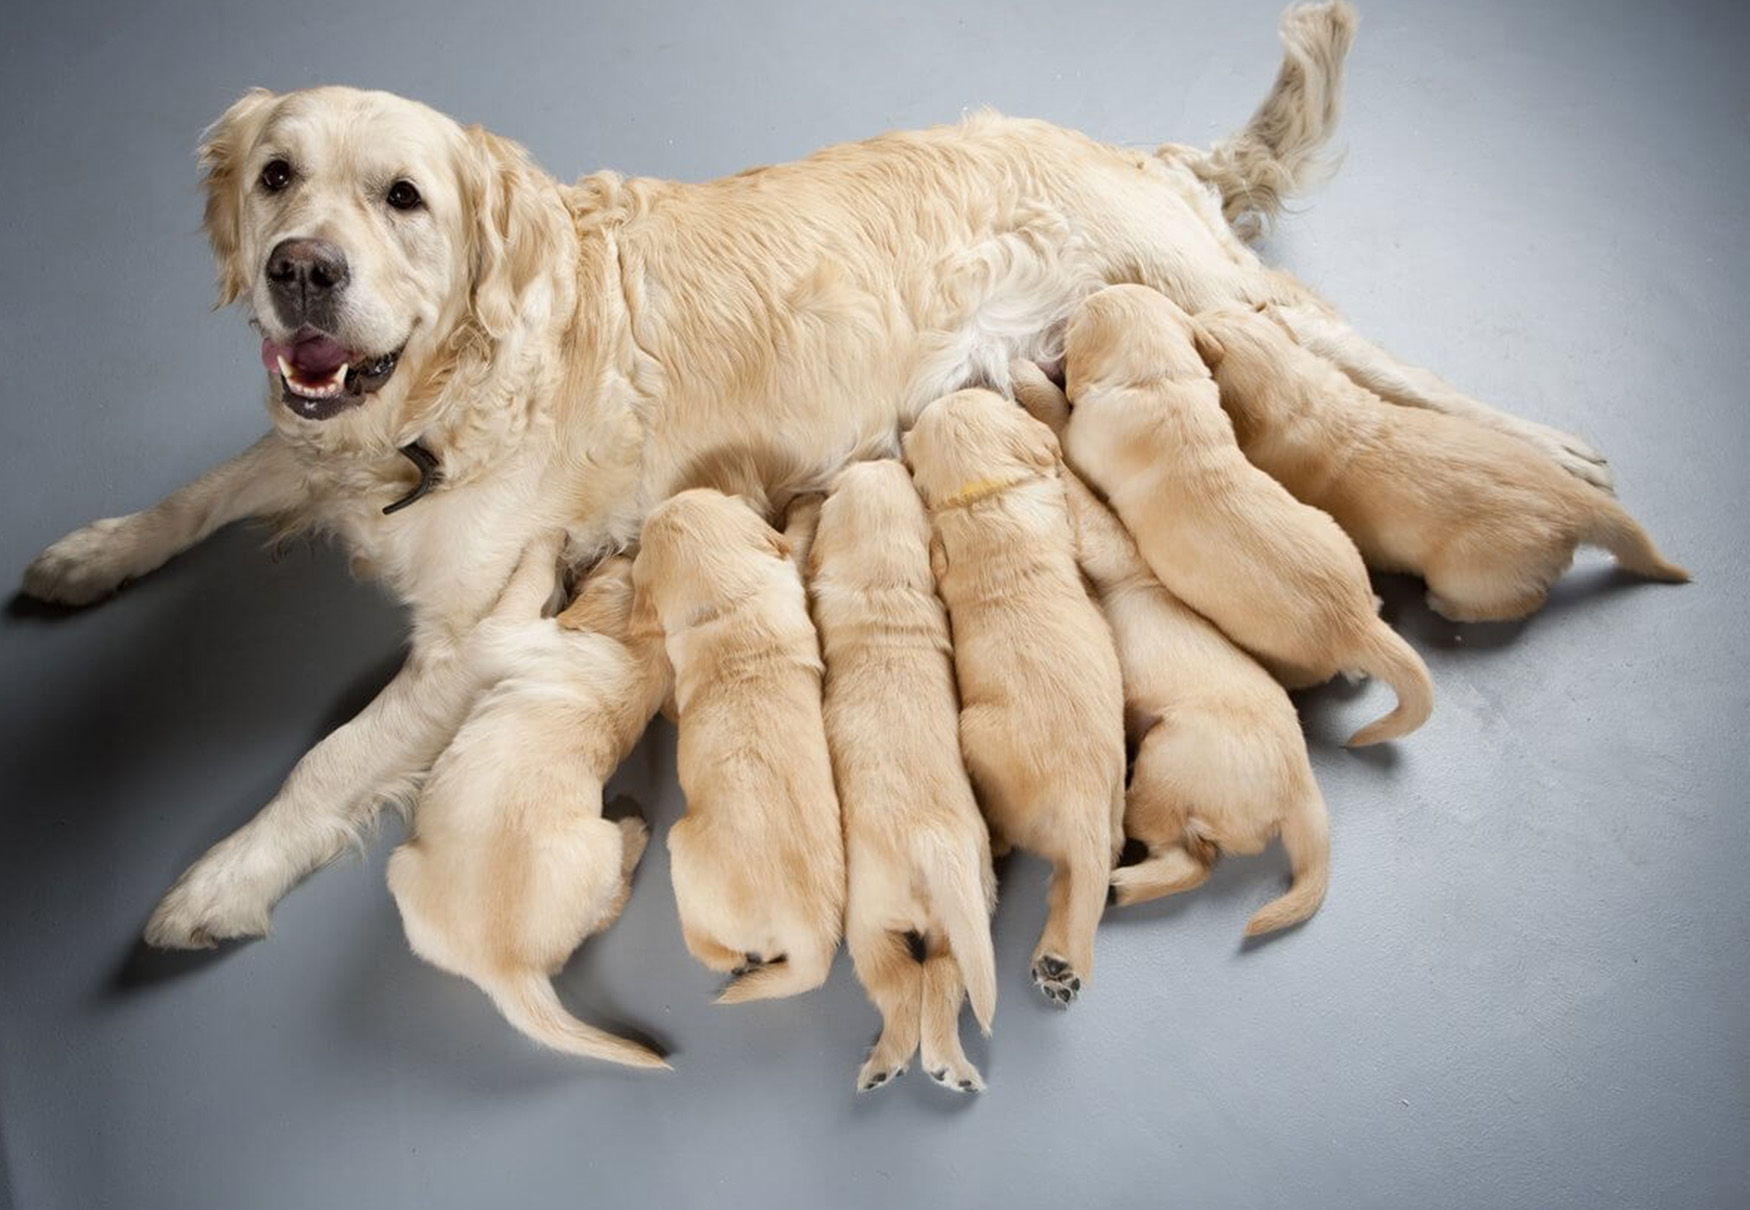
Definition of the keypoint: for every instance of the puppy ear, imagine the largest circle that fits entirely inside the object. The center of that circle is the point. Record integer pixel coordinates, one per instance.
(1209, 348)
(642, 624)
(223, 155)
(938, 557)
(517, 226)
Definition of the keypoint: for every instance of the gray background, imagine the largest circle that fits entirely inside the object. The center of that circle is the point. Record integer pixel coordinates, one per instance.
(1528, 987)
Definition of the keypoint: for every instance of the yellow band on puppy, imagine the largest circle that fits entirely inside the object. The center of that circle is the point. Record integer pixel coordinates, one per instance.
(981, 489)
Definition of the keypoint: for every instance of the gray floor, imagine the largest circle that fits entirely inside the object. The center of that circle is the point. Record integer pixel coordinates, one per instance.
(1528, 987)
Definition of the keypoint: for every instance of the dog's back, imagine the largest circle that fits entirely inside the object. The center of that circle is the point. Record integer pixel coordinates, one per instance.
(758, 861)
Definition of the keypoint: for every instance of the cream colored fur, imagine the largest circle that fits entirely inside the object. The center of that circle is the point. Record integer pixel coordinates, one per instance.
(1279, 578)
(1041, 701)
(574, 351)
(759, 860)
(510, 865)
(916, 848)
(1485, 521)
(1220, 765)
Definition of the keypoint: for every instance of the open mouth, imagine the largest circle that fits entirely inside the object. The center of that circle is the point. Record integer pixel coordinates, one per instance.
(320, 377)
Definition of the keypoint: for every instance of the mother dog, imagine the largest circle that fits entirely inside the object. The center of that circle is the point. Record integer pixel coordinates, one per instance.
(463, 354)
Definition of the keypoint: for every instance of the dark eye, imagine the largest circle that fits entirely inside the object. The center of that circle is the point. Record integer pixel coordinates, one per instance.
(276, 176)
(403, 196)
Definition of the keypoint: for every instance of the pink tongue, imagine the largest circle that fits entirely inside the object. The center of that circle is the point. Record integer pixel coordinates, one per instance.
(314, 356)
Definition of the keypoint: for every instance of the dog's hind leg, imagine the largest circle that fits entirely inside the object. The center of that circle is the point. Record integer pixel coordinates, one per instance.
(894, 980)
(1079, 878)
(1168, 870)
(1318, 328)
(943, 992)
(635, 835)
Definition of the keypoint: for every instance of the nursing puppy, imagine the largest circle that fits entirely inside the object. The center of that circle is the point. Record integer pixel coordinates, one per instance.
(1221, 764)
(510, 865)
(758, 861)
(1279, 578)
(1485, 521)
(916, 849)
(1042, 706)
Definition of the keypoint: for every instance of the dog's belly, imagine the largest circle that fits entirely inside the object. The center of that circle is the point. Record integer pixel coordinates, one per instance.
(806, 312)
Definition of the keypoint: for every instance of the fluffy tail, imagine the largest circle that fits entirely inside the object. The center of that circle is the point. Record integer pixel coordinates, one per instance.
(1385, 656)
(1306, 834)
(1622, 536)
(528, 1001)
(1276, 154)
(952, 872)
(800, 971)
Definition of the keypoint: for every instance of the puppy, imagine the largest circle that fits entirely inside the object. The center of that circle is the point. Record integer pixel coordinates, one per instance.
(759, 860)
(916, 849)
(1042, 707)
(510, 865)
(1279, 578)
(1486, 521)
(1221, 765)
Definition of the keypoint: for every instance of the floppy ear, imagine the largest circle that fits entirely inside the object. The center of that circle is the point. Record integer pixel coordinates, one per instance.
(1208, 347)
(938, 557)
(642, 624)
(517, 225)
(224, 149)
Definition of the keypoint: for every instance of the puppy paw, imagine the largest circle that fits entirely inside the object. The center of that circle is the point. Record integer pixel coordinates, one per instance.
(1056, 980)
(634, 836)
(875, 1072)
(751, 962)
(958, 1075)
(207, 905)
(86, 565)
(1570, 453)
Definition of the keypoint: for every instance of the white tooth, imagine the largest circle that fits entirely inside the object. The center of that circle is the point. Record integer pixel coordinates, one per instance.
(285, 367)
(340, 375)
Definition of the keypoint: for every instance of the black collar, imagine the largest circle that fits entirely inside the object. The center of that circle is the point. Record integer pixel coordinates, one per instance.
(430, 475)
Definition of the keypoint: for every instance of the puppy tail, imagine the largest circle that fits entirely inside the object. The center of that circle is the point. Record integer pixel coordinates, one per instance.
(801, 970)
(1622, 536)
(1306, 834)
(1385, 656)
(528, 1001)
(1276, 154)
(953, 873)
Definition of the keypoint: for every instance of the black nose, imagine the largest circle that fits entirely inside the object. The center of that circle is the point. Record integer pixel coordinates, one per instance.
(303, 276)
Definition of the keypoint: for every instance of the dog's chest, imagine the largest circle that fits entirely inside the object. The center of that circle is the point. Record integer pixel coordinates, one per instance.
(445, 555)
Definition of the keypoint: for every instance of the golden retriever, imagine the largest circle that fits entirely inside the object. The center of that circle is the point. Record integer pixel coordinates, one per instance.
(1485, 521)
(759, 860)
(1221, 765)
(1280, 579)
(505, 354)
(916, 849)
(510, 864)
(1041, 701)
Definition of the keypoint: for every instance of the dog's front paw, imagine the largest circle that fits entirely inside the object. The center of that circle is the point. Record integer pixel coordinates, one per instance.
(1572, 454)
(210, 903)
(86, 565)
(1056, 980)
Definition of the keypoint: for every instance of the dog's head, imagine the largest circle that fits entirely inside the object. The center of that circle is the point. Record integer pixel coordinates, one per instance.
(1250, 353)
(363, 232)
(1126, 336)
(873, 532)
(974, 444)
(700, 553)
